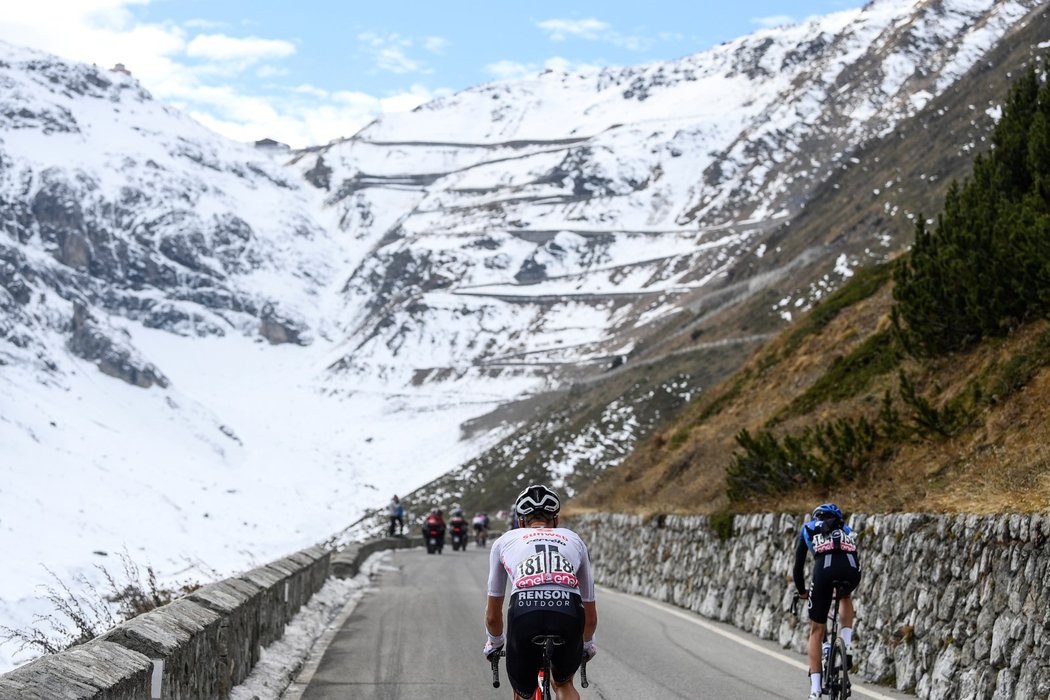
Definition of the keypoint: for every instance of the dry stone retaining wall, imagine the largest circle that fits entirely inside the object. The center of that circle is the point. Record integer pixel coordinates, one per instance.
(950, 606)
(196, 647)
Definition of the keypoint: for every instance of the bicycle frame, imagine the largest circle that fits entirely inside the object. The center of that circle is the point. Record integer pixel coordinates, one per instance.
(834, 674)
(543, 677)
(834, 680)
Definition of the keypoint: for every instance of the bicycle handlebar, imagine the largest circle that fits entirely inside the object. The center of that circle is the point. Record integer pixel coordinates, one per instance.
(494, 660)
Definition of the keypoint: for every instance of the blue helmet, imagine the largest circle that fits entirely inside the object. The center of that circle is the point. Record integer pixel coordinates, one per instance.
(827, 511)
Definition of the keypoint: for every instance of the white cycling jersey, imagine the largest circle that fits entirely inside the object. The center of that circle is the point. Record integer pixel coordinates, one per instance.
(538, 559)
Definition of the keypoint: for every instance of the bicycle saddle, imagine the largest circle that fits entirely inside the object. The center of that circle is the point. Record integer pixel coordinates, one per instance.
(541, 639)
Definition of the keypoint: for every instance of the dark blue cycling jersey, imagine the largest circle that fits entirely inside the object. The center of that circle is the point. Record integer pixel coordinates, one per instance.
(829, 541)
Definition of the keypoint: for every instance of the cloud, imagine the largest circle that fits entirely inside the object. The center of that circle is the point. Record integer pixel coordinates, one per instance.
(506, 70)
(219, 47)
(190, 69)
(311, 90)
(389, 53)
(591, 29)
(435, 44)
(773, 21)
(269, 71)
(560, 29)
(202, 24)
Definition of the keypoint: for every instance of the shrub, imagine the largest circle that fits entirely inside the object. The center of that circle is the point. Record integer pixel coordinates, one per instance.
(78, 617)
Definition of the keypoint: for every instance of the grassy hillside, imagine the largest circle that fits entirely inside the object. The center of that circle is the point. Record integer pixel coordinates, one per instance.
(833, 365)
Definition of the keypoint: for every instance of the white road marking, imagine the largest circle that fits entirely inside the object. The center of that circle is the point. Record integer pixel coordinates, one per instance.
(697, 620)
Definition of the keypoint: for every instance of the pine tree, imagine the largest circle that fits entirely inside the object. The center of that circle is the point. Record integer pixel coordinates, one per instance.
(986, 266)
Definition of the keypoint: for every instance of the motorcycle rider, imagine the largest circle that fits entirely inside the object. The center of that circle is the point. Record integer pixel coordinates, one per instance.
(834, 547)
(435, 521)
(458, 525)
(552, 592)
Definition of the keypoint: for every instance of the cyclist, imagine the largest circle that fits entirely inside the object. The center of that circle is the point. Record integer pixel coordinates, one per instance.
(481, 526)
(834, 548)
(552, 592)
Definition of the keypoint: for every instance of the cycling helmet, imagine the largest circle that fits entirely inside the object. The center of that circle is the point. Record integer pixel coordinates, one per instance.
(827, 511)
(537, 498)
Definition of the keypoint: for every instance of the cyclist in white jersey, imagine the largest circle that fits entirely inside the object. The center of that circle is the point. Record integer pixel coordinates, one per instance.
(552, 592)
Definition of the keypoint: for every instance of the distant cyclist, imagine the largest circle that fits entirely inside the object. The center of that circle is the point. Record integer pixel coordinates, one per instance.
(834, 548)
(481, 527)
(552, 593)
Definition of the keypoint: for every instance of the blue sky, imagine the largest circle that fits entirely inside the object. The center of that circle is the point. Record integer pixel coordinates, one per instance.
(310, 71)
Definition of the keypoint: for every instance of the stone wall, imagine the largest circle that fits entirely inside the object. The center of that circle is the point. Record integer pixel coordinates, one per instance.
(949, 606)
(198, 646)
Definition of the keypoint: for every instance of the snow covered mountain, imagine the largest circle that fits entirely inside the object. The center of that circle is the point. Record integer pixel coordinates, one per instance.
(298, 341)
(539, 226)
(166, 316)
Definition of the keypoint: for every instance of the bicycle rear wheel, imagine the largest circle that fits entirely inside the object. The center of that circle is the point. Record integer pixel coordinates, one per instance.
(836, 674)
(844, 684)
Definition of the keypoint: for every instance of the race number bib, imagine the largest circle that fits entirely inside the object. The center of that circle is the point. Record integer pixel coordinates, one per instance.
(545, 566)
(834, 540)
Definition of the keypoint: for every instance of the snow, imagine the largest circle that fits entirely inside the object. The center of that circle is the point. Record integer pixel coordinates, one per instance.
(459, 256)
(179, 494)
(305, 637)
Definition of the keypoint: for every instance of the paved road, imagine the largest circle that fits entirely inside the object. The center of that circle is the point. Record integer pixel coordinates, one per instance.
(418, 634)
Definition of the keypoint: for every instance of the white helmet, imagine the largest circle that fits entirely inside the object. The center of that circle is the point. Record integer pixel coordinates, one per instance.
(537, 498)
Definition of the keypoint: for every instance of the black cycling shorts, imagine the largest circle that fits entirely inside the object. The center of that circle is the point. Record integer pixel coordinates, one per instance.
(533, 613)
(827, 569)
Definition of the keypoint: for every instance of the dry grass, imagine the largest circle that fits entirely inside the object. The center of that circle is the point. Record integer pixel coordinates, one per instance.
(1000, 463)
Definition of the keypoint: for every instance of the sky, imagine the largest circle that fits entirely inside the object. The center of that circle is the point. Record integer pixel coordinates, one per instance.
(307, 72)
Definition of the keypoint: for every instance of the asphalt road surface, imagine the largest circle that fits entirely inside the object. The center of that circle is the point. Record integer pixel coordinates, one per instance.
(418, 634)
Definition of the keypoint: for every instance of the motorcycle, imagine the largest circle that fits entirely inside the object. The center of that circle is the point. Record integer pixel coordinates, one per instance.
(459, 536)
(434, 537)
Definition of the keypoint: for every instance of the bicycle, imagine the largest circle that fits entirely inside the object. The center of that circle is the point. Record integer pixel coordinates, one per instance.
(543, 678)
(834, 661)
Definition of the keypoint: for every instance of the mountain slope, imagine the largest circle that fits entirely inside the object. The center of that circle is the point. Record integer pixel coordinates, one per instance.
(864, 212)
(166, 306)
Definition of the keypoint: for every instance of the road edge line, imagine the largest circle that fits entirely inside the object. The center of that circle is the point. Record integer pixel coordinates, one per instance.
(299, 684)
(697, 620)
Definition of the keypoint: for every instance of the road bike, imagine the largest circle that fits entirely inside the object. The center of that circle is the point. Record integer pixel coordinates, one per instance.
(834, 660)
(543, 677)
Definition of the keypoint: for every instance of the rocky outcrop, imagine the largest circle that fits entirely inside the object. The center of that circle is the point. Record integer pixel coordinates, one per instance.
(279, 328)
(951, 606)
(111, 351)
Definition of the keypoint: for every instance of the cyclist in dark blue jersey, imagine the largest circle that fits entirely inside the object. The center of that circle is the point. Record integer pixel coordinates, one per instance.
(836, 558)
